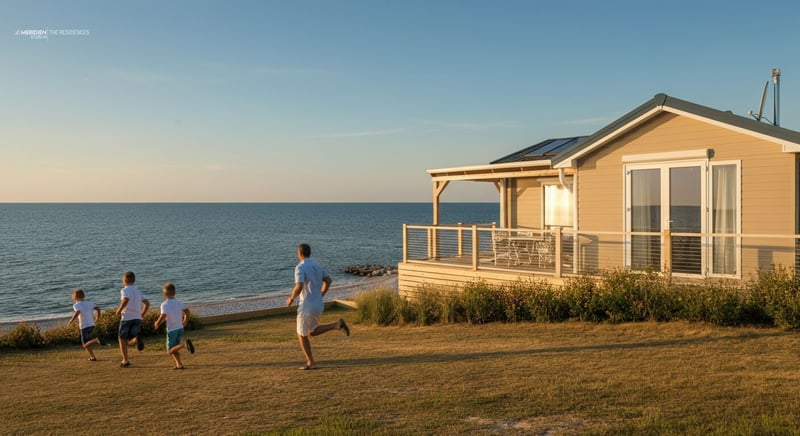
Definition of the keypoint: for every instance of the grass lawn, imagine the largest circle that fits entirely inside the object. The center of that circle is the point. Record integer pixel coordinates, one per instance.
(566, 378)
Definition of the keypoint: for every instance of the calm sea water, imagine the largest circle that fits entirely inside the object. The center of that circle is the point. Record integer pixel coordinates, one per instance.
(211, 252)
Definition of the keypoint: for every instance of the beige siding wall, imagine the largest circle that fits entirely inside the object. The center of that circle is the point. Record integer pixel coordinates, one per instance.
(413, 276)
(768, 181)
(526, 203)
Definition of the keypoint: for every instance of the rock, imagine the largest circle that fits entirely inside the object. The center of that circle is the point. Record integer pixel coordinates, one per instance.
(370, 270)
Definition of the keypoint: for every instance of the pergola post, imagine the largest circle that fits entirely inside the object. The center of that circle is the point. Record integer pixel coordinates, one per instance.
(501, 185)
(438, 188)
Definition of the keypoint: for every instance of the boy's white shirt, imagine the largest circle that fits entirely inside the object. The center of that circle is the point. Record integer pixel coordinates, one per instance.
(173, 309)
(85, 315)
(133, 310)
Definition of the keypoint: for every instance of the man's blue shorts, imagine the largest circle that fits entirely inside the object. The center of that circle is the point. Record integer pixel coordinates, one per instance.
(130, 329)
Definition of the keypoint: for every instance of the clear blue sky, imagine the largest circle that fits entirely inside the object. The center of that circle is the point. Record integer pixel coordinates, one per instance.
(350, 100)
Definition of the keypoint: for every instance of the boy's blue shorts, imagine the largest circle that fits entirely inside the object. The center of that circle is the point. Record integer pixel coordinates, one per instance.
(130, 329)
(174, 338)
(86, 334)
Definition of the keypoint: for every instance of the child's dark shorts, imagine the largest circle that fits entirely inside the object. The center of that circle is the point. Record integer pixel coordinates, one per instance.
(86, 334)
(130, 329)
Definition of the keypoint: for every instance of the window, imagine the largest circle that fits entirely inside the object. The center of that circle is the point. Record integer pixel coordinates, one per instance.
(558, 206)
(724, 218)
(698, 202)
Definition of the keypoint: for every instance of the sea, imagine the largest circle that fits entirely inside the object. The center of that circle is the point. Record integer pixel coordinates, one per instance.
(211, 251)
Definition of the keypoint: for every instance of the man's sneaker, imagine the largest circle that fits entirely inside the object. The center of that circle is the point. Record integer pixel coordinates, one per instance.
(343, 327)
(139, 343)
(190, 346)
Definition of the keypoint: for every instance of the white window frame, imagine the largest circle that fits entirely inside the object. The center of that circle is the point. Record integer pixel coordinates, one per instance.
(664, 167)
(570, 186)
(710, 218)
(707, 184)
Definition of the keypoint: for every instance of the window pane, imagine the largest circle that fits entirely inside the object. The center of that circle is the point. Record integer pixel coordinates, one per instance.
(646, 217)
(557, 206)
(724, 216)
(685, 217)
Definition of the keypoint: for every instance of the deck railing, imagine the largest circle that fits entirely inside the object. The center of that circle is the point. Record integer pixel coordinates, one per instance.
(562, 252)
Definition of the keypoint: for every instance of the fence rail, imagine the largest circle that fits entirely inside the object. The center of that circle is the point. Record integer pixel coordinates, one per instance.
(562, 252)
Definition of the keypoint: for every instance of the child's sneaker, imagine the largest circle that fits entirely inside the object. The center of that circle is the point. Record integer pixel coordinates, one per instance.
(343, 327)
(190, 346)
(139, 343)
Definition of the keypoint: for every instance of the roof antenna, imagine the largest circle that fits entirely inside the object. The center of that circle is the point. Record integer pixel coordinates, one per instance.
(776, 75)
(760, 105)
(776, 81)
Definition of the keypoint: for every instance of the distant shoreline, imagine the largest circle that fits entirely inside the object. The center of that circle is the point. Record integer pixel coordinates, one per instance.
(239, 305)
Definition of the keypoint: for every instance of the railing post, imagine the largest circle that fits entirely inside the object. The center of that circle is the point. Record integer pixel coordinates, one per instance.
(433, 236)
(430, 243)
(475, 247)
(436, 242)
(405, 243)
(558, 252)
(666, 256)
(460, 241)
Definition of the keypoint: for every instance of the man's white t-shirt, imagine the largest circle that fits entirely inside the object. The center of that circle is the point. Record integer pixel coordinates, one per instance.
(174, 311)
(133, 310)
(310, 274)
(85, 315)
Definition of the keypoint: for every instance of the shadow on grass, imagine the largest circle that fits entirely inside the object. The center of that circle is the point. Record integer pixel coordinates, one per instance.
(451, 357)
(478, 355)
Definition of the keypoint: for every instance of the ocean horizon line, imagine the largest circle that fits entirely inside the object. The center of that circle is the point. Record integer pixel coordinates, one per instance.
(240, 202)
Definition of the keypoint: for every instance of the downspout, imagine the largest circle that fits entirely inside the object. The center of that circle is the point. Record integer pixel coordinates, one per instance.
(563, 180)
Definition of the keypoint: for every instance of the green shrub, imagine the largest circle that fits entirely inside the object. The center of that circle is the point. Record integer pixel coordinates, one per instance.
(516, 299)
(428, 306)
(482, 304)
(24, 336)
(584, 299)
(453, 308)
(107, 325)
(690, 301)
(547, 304)
(382, 307)
(62, 335)
(637, 296)
(723, 305)
(774, 292)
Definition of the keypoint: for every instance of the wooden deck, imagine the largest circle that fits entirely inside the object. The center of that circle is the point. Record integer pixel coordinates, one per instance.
(455, 272)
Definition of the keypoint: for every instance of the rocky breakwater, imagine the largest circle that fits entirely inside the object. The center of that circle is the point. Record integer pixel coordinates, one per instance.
(371, 270)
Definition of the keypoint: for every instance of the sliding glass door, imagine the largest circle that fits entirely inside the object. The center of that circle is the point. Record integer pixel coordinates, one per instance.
(665, 197)
(685, 218)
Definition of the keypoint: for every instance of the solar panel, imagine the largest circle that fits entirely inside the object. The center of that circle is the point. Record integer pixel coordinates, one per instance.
(551, 146)
(542, 150)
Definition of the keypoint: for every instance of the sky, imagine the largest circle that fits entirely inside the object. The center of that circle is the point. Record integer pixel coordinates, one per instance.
(349, 101)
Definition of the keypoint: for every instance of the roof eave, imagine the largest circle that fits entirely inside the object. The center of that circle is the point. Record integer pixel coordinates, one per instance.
(492, 172)
(788, 139)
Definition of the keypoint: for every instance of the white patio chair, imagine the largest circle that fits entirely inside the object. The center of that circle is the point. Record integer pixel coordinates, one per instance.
(502, 248)
(544, 250)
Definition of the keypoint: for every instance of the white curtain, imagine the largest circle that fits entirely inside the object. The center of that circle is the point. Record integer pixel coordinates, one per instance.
(558, 209)
(724, 218)
(645, 216)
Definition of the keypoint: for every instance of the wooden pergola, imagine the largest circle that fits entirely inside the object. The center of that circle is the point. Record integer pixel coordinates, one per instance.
(498, 174)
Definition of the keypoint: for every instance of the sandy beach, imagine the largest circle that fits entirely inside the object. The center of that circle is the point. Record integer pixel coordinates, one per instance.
(244, 305)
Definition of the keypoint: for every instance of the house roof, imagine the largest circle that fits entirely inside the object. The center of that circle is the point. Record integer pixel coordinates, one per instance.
(546, 158)
(789, 139)
(544, 150)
